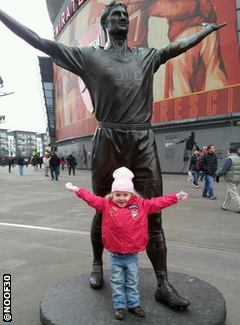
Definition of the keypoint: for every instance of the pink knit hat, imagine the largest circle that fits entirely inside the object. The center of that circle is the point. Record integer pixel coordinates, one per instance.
(123, 180)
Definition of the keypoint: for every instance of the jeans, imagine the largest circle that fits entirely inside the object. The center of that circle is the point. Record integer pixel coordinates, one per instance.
(208, 186)
(195, 177)
(20, 169)
(54, 170)
(124, 280)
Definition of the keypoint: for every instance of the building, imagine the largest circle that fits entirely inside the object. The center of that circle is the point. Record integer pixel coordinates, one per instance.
(14, 143)
(188, 99)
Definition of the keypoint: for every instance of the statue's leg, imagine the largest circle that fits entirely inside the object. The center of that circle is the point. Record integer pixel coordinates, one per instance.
(157, 253)
(148, 183)
(96, 277)
(105, 159)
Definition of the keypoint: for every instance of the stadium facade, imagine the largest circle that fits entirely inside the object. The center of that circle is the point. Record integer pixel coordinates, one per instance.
(196, 94)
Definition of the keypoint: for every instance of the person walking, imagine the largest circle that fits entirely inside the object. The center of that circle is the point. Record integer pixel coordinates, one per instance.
(124, 234)
(193, 167)
(201, 173)
(10, 163)
(20, 163)
(122, 104)
(71, 164)
(62, 163)
(209, 164)
(230, 170)
(3, 161)
(46, 164)
(54, 164)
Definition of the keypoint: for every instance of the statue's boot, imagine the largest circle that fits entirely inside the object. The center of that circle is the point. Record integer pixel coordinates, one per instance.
(96, 277)
(167, 294)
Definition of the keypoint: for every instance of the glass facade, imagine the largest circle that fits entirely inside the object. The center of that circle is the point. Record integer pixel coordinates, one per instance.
(46, 72)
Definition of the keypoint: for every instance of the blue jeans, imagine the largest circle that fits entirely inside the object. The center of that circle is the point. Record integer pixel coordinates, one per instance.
(54, 170)
(124, 280)
(20, 169)
(195, 177)
(208, 186)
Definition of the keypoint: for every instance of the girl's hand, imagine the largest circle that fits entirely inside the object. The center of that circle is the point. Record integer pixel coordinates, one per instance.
(70, 187)
(182, 196)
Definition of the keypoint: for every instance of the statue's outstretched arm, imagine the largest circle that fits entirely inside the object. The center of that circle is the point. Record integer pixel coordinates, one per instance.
(174, 49)
(44, 45)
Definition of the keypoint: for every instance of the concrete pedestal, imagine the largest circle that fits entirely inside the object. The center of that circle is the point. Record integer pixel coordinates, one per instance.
(73, 302)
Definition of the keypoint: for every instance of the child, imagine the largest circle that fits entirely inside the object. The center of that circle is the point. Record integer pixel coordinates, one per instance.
(124, 234)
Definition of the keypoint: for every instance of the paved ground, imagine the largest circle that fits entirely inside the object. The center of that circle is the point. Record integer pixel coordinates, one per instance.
(44, 238)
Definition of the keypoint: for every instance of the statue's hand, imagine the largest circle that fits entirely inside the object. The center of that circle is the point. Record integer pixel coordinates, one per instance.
(213, 27)
(70, 187)
(182, 196)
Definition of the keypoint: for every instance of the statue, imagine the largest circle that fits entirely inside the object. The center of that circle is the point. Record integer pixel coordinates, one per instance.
(120, 83)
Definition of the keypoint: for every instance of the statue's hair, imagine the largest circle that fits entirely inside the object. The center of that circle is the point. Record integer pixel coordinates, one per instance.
(107, 9)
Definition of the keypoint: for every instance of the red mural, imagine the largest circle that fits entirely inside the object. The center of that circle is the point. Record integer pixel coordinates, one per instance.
(203, 82)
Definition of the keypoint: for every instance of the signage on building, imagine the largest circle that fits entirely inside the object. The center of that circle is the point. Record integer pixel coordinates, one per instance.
(68, 10)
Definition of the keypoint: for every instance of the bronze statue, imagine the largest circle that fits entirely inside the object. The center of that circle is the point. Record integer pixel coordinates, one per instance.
(120, 82)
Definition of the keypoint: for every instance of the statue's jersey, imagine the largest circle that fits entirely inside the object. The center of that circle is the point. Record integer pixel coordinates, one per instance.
(120, 85)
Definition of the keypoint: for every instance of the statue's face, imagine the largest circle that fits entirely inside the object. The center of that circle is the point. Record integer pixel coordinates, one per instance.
(117, 21)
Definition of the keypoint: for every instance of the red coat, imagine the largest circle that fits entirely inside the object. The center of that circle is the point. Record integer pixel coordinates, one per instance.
(125, 230)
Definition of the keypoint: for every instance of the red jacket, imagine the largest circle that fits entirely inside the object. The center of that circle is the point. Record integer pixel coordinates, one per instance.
(125, 230)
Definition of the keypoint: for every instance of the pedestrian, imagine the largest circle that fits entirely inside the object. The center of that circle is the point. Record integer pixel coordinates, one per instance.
(35, 161)
(231, 172)
(10, 163)
(62, 163)
(46, 164)
(124, 234)
(3, 161)
(54, 164)
(123, 108)
(208, 164)
(20, 163)
(193, 167)
(71, 164)
(201, 173)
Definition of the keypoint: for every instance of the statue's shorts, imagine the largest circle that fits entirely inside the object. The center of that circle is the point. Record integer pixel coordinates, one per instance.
(132, 146)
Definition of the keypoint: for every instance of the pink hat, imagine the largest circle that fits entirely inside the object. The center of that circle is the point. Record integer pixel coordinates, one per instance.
(123, 180)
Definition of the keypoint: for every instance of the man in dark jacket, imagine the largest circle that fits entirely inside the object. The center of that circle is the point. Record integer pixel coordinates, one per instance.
(54, 164)
(231, 172)
(71, 164)
(208, 164)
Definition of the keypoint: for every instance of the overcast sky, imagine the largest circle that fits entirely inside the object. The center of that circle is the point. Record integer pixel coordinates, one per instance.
(19, 66)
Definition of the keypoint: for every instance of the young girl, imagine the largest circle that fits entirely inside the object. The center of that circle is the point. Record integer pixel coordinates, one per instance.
(124, 234)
